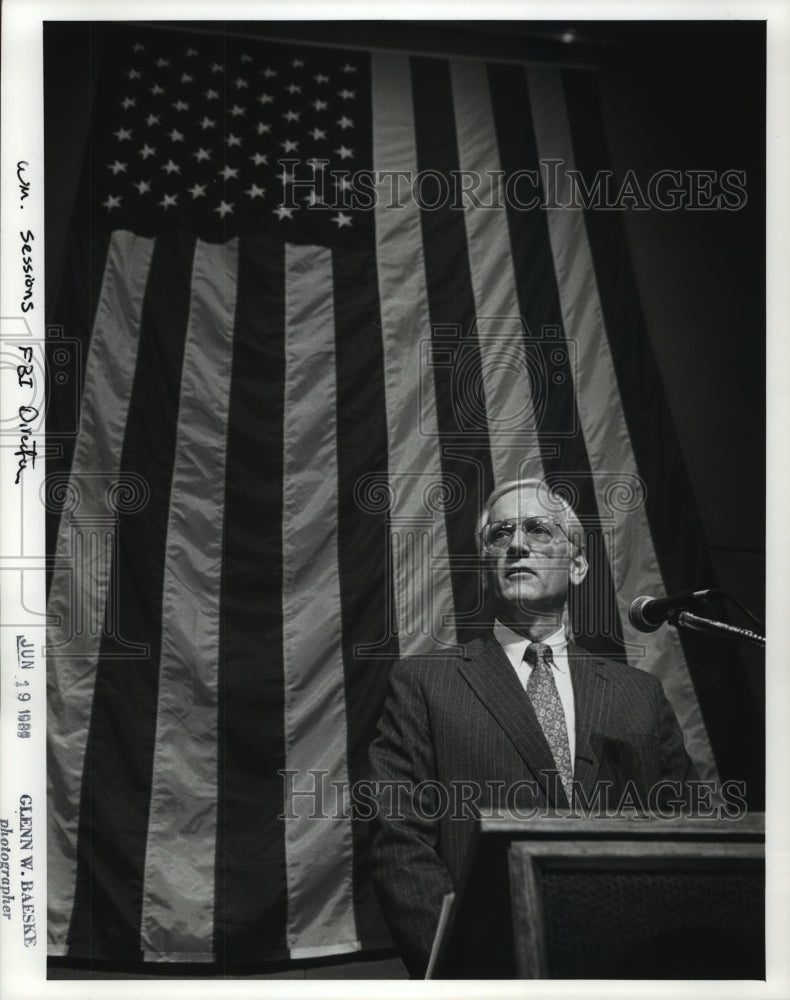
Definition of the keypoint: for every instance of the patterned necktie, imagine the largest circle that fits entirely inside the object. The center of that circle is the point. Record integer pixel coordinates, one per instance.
(542, 692)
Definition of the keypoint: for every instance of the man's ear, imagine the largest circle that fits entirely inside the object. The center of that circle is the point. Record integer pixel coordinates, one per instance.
(578, 568)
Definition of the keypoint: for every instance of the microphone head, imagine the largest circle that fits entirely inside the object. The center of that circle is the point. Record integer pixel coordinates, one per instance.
(637, 618)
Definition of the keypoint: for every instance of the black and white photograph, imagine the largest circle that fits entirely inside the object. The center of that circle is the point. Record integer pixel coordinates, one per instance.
(385, 412)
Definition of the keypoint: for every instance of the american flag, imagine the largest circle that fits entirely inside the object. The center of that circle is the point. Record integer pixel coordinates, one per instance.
(302, 365)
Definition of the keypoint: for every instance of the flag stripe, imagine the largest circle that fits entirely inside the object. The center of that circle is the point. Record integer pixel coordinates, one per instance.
(424, 608)
(179, 865)
(732, 719)
(363, 538)
(510, 415)
(464, 440)
(73, 658)
(595, 618)
(318, 851)
(631, 553)
(113, 828)
(251, 884)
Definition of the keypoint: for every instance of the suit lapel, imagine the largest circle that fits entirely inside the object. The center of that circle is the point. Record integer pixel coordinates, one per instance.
(491, 676)
(592, 694)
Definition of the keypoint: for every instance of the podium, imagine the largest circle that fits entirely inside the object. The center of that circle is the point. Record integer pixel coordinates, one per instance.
(629, 898)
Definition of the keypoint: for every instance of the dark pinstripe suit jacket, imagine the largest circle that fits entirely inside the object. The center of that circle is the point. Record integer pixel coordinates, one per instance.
(461, 722)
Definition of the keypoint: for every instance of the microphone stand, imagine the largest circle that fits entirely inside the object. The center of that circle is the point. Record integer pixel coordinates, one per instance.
(695, 623)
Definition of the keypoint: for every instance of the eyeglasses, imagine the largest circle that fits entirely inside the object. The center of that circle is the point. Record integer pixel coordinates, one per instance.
(540, 532)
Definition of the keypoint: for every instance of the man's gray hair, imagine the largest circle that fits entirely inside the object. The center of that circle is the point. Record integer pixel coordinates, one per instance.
(553, 502)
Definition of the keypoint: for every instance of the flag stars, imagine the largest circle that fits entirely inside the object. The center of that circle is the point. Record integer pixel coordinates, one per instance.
(143, 187)
(255, 191)
(313, 200)
(269, 72)
(233, 140)
(211, 94)
(147, 151)
(197, 191)
(345, 122)
(296, 63)
(156, 90)
(318, 133)
(345, 153)
(162, 63)
(133, 74)
(181, 105)
(187, 78)
(294, 88)
(138, 47)
(259, 158)
(113, 201)
(192, 52)
(292, 116)
(169, 201)
(289, 146)
(217, 68)
(229, 173)
(320, 105)
(266, 98)
(283, 212)
(202, 154)
(236, 111)
(171, 168)
(263, 128)
(343, 183)
(224, 208)
(341, 220)
(321, 78)
(246, 57)
(117, 168)
(176, 136)
(123, 134)
(152, 120)
(348, 68)
(240, 83)
(346, 95)
(128, 102)
(208, 123)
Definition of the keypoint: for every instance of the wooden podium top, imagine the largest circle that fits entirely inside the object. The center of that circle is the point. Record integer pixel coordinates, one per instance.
(528, 880)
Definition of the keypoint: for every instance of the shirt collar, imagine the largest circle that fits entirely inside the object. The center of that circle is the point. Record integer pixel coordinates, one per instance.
(515, 644)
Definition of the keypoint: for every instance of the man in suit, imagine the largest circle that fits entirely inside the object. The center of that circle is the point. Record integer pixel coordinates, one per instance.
(521, 718)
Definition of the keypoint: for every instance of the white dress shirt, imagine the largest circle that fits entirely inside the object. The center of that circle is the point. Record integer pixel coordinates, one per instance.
(515, 646)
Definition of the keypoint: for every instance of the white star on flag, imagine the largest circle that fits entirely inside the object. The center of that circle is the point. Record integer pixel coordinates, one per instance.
(345, 122)
(117, 167)
(171, 168)
(255, 191)
(341, 219)
(345, 153)
(122, 134)
(202, 154)
(229, 172)
(147, 151)
(113, 201)
(223, 208)
(197, 190)
(169, 201)
(282, 212)
(143, 187)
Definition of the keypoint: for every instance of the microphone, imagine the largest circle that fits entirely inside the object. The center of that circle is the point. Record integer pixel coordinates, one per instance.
(647, 614)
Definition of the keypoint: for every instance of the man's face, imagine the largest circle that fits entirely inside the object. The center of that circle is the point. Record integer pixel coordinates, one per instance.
(524, 577)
